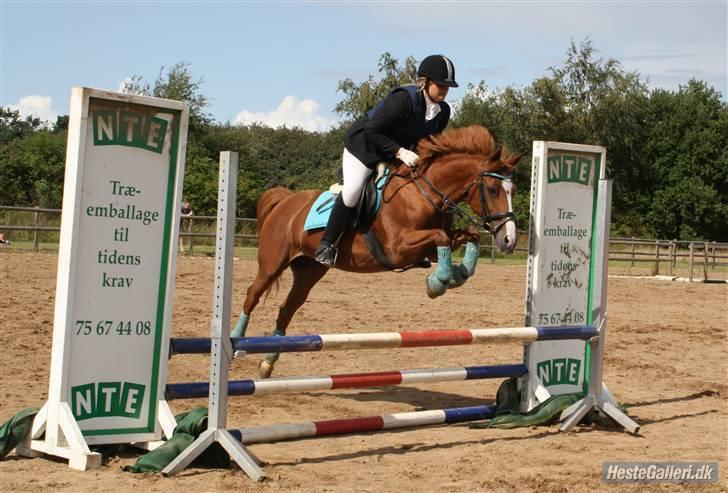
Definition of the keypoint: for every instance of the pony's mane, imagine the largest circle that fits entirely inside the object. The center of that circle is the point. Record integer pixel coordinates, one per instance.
(475, 139)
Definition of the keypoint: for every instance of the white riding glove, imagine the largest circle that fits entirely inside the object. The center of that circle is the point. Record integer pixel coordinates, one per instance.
(407, 157)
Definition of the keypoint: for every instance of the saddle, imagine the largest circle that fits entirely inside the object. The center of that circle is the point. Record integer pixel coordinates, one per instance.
(371, 197)
(364, 214)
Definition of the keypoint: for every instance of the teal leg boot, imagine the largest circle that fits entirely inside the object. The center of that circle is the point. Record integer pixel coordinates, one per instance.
(265, 367)
(438, 281)
(241, 326)
(466, 270)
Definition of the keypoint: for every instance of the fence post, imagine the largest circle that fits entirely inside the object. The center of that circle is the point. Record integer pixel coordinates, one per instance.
(672, 257)
(690, 262)
(675, 251)
(657, 257)
(633, 247)
(713, 247)
(189, 234)
(705, 260)
(36, 233)
(492, 249)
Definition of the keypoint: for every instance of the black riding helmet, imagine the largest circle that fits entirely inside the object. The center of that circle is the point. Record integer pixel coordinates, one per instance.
(439, 69)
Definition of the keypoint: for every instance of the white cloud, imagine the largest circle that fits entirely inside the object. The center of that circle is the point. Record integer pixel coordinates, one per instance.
(291, 112)
(37, 106)
(123, 83)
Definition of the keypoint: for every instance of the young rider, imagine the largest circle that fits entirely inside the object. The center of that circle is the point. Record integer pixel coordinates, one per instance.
(391, 129)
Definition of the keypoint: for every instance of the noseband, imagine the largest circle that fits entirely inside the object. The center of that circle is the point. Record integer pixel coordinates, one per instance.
(449, 206)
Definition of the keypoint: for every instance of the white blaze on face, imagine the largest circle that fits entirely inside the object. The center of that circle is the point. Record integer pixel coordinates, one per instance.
(511, 224)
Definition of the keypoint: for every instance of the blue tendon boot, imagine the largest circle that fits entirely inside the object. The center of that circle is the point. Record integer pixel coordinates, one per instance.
(464, 271)
(265, 367)
(241, 326)
(438, 281)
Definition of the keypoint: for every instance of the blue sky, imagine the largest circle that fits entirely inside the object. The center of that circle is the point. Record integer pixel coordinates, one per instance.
(280, 62)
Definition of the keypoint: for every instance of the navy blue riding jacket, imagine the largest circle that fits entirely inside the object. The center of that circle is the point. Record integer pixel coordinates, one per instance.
(397, 121)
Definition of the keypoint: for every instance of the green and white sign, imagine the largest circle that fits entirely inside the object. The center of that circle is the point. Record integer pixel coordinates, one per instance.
(116, 267)
(561, 256)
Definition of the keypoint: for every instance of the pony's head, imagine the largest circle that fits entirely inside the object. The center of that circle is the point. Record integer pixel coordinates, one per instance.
(490, 189)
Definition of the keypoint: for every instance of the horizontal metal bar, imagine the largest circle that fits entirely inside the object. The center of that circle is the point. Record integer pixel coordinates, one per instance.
(363, 425)
(392, 340)
(362, 380)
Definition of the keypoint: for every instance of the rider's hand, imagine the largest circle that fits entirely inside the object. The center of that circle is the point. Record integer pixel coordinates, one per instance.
(407, 157)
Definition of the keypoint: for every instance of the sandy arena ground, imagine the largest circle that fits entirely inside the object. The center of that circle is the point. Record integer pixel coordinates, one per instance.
(667, 361)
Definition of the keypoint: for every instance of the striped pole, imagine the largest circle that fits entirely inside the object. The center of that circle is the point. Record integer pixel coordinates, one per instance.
(384, 340)
(302, 384)
(310, 429)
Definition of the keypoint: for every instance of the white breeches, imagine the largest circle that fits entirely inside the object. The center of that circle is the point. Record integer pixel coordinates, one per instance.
(355, 176)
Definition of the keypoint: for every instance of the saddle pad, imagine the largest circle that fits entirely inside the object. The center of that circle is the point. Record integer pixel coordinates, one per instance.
(320, 211)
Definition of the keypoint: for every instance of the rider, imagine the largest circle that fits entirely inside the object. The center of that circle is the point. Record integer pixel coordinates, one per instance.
(391, 129)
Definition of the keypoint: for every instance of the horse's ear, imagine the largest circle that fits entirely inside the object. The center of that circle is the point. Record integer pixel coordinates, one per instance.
(513, 159)
(495, 156)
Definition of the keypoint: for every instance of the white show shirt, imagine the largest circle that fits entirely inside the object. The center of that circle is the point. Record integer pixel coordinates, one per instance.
(432, 108)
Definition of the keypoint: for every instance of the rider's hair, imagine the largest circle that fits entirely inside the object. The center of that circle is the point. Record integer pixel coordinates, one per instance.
(422, 82)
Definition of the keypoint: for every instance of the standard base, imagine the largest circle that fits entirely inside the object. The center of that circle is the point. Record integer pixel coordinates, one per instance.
(592, 403)
(247, 461)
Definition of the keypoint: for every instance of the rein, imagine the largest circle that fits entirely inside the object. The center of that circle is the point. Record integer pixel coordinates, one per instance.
(450, 206)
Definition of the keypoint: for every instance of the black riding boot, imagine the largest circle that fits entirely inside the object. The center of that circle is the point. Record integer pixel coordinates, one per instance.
(335, 228)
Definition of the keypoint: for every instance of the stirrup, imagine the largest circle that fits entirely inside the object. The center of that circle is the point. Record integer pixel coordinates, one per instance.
(326, 255)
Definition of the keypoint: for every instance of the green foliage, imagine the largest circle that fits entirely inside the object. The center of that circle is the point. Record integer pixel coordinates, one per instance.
(667, 150)
(585, 100)
(360, 98)
(687, 150)
(31, 170)
(12, 126)
(177, 83)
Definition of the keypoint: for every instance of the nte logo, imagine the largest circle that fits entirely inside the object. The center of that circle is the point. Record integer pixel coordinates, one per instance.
(128, 128)
(560, 371)
(104, 399)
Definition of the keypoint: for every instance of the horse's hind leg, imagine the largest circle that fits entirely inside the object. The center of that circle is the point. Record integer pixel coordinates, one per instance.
(269, 270)
(306, 273)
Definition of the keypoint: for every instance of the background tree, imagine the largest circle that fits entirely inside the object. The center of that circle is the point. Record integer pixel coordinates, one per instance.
(687, 151)
(12, 126)
(667, 150)
(32, 170)
(586, 100)
(360, 98)
(177, 83)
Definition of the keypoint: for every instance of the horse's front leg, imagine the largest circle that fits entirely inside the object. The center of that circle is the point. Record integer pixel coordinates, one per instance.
(470, 237)
(411, 245)
(415, 244)
(460, 237)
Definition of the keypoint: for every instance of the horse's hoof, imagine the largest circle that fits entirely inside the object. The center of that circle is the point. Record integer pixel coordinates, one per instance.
(265, 369)
(430, 294)
(434, 287)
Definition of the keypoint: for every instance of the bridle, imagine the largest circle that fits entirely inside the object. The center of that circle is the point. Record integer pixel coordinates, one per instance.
(501, 218)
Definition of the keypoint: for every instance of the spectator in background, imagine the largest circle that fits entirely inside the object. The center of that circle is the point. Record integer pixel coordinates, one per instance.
(186, 212)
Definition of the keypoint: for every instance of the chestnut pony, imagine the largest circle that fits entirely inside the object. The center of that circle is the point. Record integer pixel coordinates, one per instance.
(461, 165)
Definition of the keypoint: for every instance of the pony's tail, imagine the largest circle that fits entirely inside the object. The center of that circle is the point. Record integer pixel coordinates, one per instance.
(268, 201)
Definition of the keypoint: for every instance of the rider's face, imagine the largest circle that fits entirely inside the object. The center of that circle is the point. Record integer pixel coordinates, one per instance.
(437, 92)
